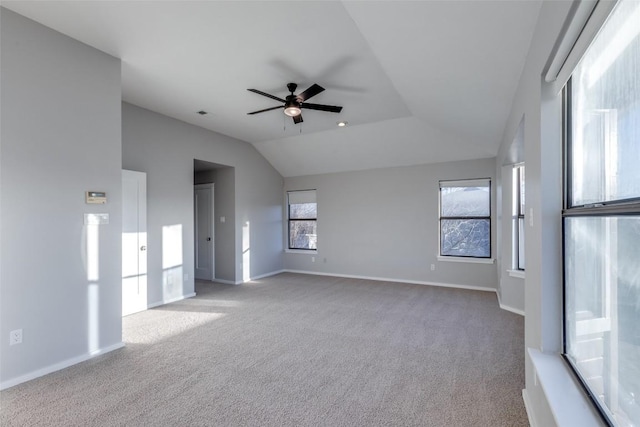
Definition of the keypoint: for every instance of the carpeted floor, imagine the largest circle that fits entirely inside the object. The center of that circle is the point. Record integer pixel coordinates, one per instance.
(296, 350)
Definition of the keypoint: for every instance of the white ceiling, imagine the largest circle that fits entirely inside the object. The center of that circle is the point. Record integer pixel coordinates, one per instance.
(420, 81)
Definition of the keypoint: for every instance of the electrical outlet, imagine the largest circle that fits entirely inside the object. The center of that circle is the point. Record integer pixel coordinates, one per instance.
(313, 259)
(15, 337)
(433, 267)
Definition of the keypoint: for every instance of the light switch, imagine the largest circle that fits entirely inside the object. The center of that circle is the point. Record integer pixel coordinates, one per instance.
(96, 218)
(222, 219)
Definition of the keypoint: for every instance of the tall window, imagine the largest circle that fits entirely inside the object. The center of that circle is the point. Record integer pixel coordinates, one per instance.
(602, 218)
(465, 218)
(518, 217)
(303, 219)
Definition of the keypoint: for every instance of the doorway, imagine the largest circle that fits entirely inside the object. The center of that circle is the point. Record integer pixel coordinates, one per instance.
(222, 245)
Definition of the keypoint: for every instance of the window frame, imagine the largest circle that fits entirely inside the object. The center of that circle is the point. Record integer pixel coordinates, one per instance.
(518, 215)
(290, 221)
(441, 217)
(618, 208)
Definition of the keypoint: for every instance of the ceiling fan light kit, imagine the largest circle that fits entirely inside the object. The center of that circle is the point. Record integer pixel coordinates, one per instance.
(292, 110)
(293, 104)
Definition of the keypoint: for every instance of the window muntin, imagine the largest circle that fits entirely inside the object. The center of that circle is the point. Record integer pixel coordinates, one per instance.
(303, 220)
(602, 218)
(518, 217)
(465, 218)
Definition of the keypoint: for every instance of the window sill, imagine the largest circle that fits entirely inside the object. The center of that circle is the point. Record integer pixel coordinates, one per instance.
(466, 259)
(569, 405)
(302, 251)
(516, 273)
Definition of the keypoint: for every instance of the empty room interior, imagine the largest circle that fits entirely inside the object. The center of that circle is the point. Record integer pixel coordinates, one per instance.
(320, 213)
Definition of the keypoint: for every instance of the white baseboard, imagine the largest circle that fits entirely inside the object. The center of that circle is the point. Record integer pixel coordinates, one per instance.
(387, 279)
(58, 366)
(226, 282)
(262, 276)
(511, 309)
(168, 301)
(527, 407)
(508, 307)
(239, 282)
(75, 360)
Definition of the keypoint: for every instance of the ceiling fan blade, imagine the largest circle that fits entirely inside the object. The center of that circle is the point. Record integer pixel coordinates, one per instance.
(259, 92)
(321, 107)
(266, 109)
(313, 90)
(297, 119)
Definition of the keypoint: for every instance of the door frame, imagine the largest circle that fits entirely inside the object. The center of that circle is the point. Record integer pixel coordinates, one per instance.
(209, 186)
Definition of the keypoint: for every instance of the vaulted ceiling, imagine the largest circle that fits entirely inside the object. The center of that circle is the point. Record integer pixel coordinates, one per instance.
(420, 81)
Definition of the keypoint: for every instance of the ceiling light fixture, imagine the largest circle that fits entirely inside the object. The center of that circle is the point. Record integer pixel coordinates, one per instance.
(292, 109)
(342, 124)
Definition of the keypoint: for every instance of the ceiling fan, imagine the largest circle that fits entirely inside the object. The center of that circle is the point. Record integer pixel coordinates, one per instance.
(293, 104)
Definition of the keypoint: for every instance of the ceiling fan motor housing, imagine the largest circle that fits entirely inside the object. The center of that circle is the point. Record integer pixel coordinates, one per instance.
(292, 101)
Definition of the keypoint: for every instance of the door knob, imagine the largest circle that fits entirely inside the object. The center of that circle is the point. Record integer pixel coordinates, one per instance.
(143, 248)
(208, 239)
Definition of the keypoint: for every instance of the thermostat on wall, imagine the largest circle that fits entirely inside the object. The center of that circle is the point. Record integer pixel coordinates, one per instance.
(96, 197)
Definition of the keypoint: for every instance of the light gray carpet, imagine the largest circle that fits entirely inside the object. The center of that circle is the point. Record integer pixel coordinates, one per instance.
(296, 350)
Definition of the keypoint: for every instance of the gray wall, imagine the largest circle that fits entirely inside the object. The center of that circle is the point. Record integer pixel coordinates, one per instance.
(541, 110)
(165, 149)
(205, 177)
(383, 223)
(60, 137)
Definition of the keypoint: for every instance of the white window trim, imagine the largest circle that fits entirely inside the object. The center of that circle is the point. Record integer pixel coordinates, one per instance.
(584, 27)
(603, 322)
(515, 220)
(301, 251)
(458, 183)
(568, 403)
(299, 196)
(516, 273)
(471, 260)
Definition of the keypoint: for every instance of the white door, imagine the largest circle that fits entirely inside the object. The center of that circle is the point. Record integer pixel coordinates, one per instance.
(204, 238)
(134, 242)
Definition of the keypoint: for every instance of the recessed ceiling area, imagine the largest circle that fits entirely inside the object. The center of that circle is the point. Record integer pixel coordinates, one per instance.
(420, 82)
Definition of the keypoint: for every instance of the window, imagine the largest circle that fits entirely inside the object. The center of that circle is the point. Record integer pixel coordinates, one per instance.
(518, 217)
(601, 218)
(303, 219)
(465, 218)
